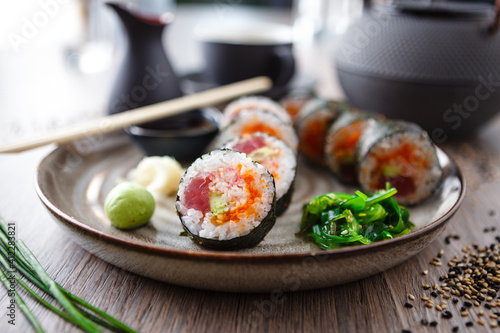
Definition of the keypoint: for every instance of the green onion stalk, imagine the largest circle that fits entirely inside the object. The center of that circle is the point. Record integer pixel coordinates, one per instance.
(17, 262)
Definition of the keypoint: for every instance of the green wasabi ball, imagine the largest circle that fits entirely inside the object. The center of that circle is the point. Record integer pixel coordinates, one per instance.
(129, 205)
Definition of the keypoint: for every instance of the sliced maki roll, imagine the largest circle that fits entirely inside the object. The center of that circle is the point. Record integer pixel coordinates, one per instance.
(252, 121)
(262, 103)
(226, 201)
(295, 101)
(313, 121)
(340, 144)
(277, 157)
(402, 154)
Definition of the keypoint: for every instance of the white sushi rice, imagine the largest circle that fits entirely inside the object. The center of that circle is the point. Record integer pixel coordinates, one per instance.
(426, 179)
(281, 163)
(232, 110)
(248, 120)
(221, 166)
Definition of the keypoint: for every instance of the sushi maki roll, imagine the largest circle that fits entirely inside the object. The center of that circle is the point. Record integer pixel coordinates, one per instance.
(277, 157)
(295, 101)
(341, 140)
(402, 154)
(313, 121)
(226, 201)
(262, 103)
(252, 121)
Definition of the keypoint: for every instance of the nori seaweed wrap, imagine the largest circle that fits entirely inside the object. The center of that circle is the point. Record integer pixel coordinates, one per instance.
(341, 140)
(226, 201)
(313, 121)
(402, 154)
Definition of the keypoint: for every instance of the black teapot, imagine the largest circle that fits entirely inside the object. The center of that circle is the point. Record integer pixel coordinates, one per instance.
(436, 63)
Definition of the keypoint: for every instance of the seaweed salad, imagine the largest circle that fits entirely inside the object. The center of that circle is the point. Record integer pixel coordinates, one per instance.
(335, 220)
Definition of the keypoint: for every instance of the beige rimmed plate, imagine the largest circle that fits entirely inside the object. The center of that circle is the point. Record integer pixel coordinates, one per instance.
(73, 189)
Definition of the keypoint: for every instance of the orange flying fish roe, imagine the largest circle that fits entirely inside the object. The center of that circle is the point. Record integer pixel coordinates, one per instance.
(247, 208)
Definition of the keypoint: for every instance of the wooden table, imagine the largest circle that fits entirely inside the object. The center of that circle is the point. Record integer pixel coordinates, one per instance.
(375, 304)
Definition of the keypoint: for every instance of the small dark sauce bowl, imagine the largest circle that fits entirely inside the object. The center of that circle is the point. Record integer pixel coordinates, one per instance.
(184, 136)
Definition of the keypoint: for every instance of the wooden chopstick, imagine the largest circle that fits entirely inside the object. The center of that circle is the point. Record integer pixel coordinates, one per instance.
(143, 114)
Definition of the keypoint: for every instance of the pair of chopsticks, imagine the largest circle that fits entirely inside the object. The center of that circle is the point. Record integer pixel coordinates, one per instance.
(143, 114)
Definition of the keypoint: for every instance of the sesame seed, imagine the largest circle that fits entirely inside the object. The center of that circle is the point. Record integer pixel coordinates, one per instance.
(469, 324)
(439, 308)
(480, 321)
(424, 322)
(425, 272)
(433, 323)
(464, 313)
(447, 314)
(454, 329)
(408, 305)
(429, 304)
(425, 298)
(493, 324)
(410, 296)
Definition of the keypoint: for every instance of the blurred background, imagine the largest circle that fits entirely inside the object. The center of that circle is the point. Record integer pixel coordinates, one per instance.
(58, 58)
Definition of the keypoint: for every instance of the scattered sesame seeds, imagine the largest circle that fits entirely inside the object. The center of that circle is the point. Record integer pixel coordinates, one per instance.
(472, 277)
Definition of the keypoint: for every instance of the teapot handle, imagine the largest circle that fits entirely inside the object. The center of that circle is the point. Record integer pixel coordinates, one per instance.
(493, 28)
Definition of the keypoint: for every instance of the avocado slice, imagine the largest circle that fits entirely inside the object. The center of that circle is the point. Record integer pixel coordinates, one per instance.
(217, 204)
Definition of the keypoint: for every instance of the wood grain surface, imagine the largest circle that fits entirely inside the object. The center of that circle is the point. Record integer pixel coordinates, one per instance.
(375, 304)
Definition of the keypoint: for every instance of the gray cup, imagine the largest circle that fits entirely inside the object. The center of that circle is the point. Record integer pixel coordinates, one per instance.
(237, 52)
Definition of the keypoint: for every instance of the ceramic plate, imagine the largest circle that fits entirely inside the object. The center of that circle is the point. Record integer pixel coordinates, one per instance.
(73, 188)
